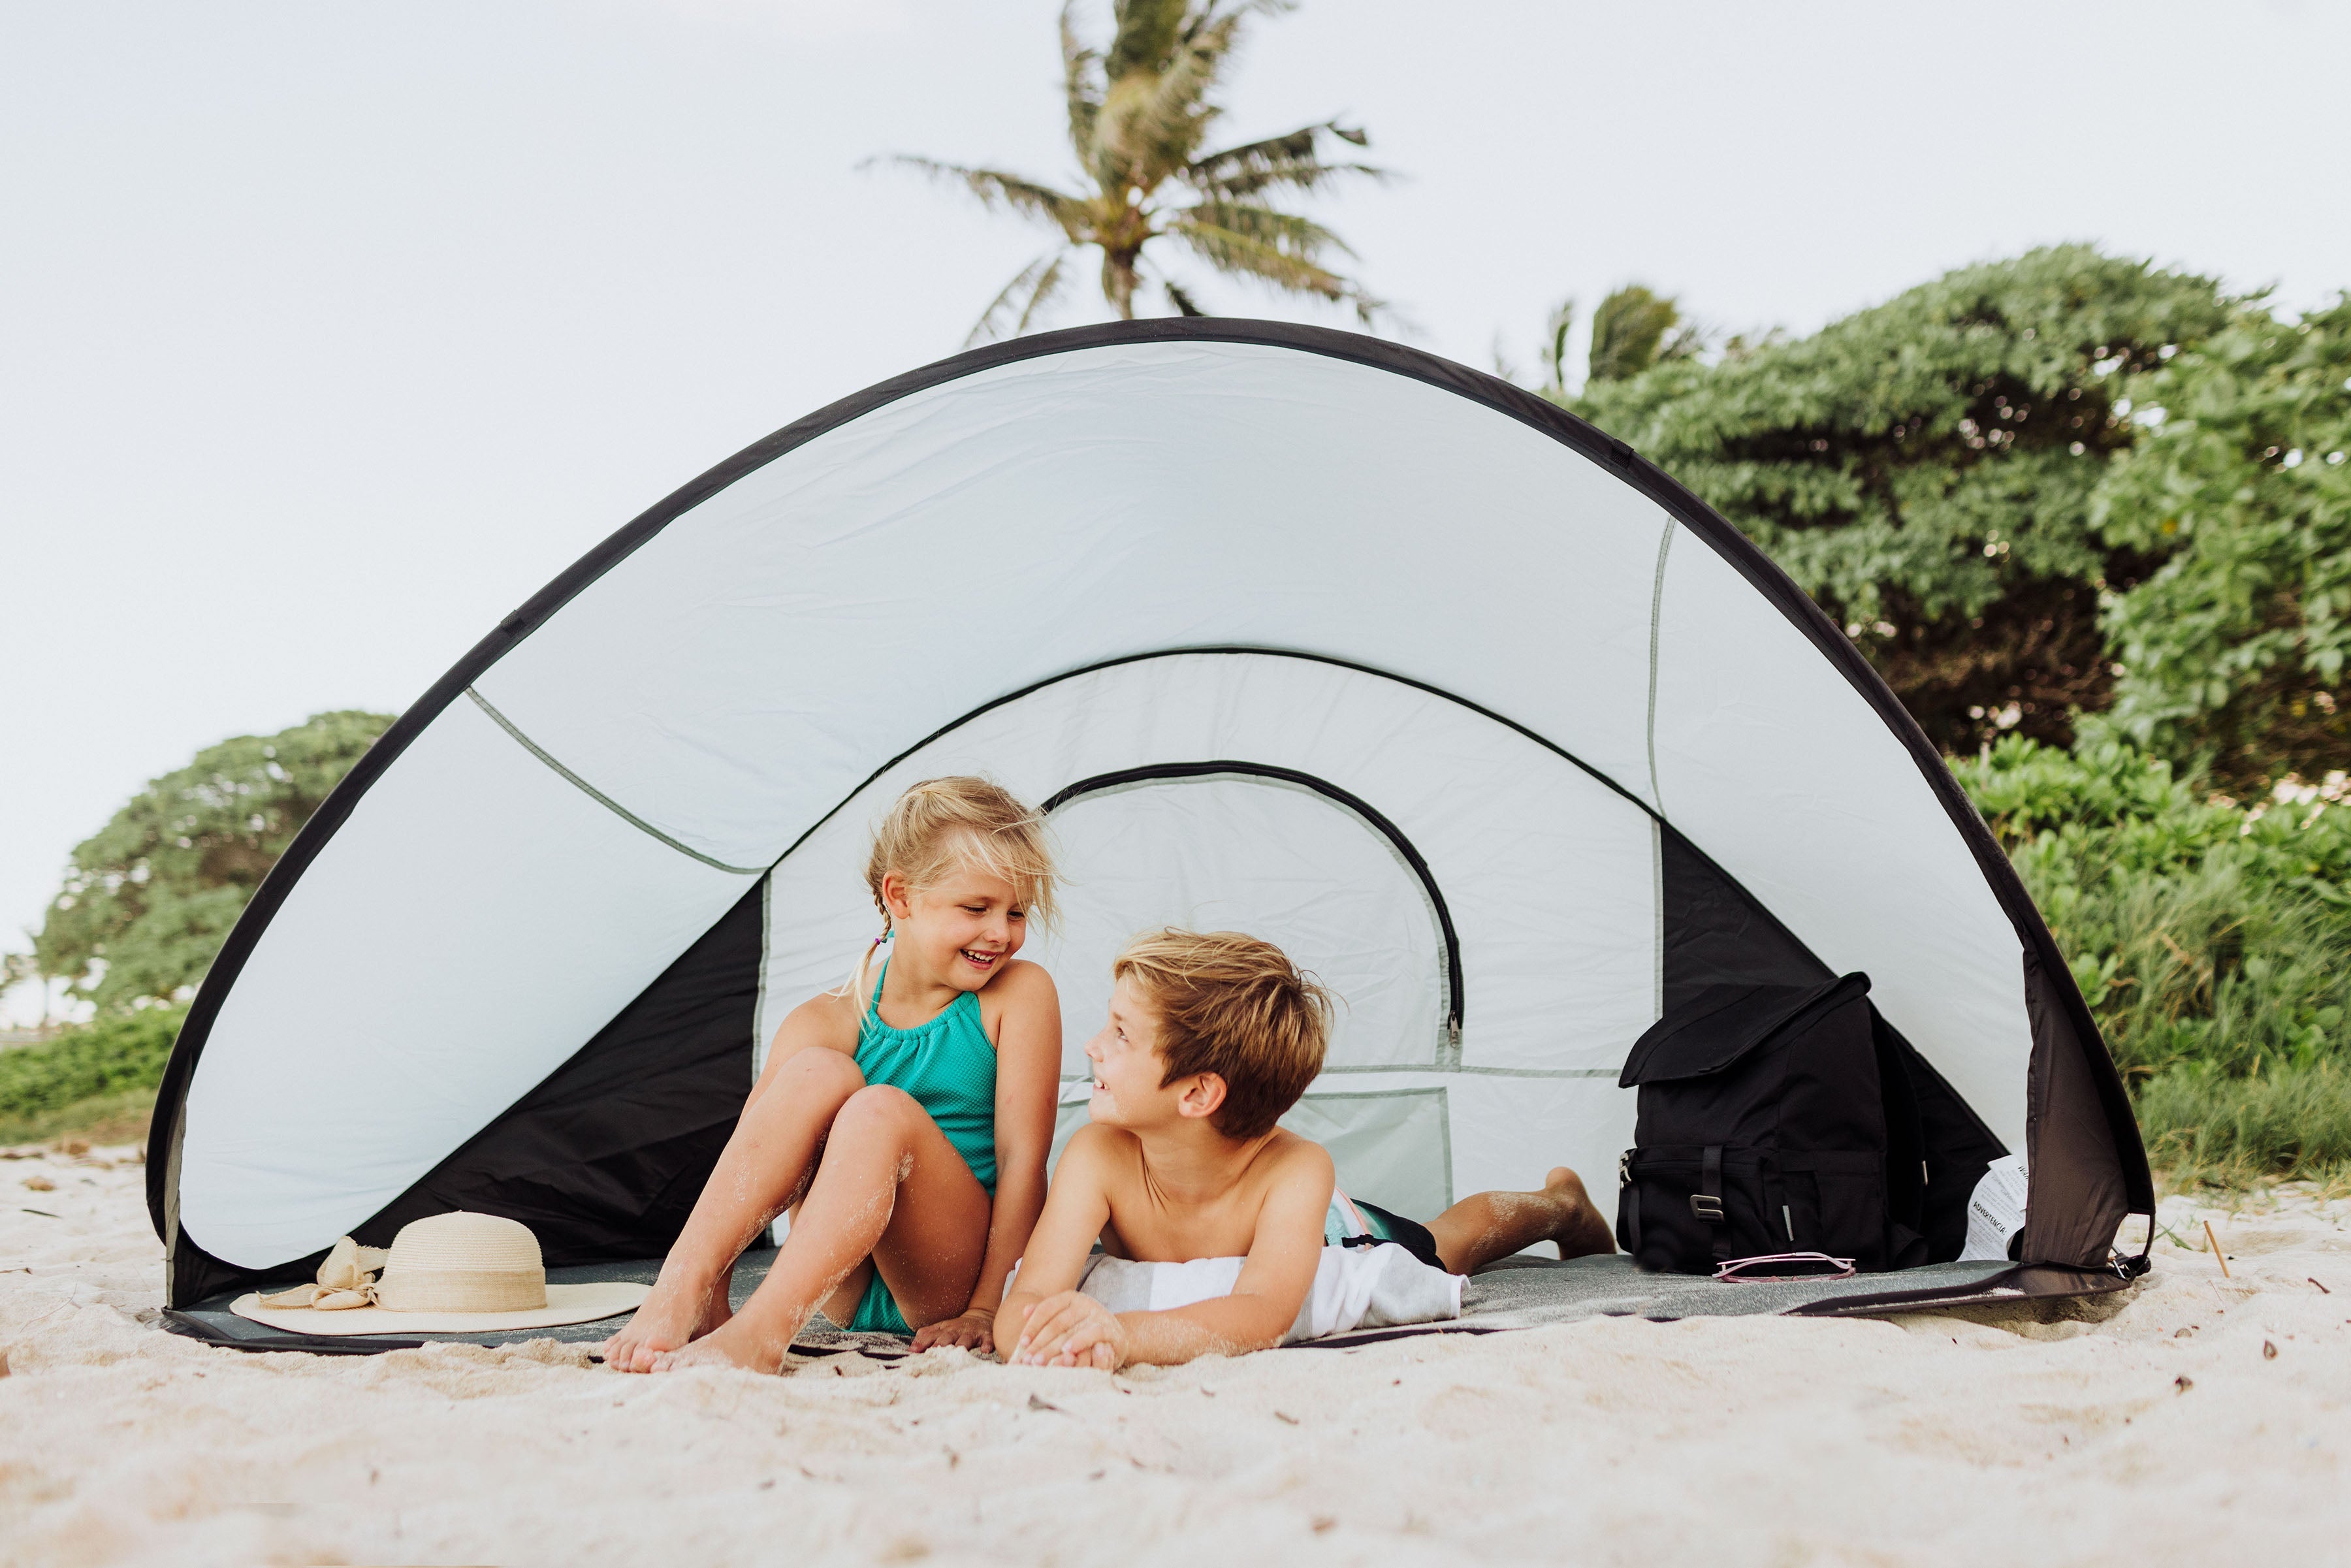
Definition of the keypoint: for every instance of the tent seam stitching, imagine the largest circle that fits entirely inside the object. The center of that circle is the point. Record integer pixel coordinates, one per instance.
(598, 796)
(1657, 611)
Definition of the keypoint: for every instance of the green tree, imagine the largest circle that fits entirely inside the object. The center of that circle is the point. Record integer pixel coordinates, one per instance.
(1139, 115)
(2233, 652)
(1629, 334)
(1926, 469)
(149, 899)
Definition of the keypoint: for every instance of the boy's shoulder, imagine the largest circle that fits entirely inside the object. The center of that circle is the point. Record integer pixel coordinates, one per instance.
(1289, 1157)
(1097, 1148)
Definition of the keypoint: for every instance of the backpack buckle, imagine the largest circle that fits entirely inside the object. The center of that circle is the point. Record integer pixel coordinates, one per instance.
(1706, 1206)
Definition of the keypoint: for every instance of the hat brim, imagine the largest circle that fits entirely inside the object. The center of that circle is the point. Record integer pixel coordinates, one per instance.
(565, 1304)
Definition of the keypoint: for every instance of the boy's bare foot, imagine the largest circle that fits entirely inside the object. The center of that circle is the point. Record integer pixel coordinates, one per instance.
(737, 1343)
(667, 1322)
(1581, 1232)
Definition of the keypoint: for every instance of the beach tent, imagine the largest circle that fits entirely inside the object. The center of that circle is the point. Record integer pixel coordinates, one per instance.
(1485, 719)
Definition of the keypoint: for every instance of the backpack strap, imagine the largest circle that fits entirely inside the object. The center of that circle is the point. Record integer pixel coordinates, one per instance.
(1705, 1203)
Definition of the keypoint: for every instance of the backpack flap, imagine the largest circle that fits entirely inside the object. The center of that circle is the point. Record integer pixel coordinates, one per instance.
(1723, 1023)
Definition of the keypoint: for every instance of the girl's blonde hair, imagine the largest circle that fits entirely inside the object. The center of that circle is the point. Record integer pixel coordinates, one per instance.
(942, 825)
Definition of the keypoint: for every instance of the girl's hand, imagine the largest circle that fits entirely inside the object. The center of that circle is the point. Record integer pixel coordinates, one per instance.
(975, 1331)
(1071, 1329)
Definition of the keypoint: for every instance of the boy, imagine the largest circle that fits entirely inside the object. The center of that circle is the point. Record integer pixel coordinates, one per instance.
(1211, 1037)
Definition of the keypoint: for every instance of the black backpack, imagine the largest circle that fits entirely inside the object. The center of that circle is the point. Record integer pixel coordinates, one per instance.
(1772, 1119)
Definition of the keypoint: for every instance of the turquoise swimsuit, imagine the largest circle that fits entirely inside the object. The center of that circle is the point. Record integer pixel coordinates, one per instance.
(949, 1067)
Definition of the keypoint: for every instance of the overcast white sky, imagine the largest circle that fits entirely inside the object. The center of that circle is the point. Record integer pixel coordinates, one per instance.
(329, 333)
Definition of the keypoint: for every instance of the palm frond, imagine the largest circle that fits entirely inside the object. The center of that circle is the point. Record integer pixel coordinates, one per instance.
(995, 189)
(1289, 233)
(1033, 287)
(1308, 174)
(1626, 329)
(1554, 349)
(1181, 300)
(1249, 255)
(1048, 288)
(1082, 80)
(1291, 160)
(1155, 115)
(1143, 33)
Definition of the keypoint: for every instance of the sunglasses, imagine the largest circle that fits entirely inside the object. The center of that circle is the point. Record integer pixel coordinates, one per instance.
(1817, 1266)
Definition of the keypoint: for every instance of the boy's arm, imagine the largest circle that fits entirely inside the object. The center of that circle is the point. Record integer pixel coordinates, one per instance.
(1076, 1210)
(1071, 1329)
(1027, 1081)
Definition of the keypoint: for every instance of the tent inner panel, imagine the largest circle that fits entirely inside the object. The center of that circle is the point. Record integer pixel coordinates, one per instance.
(1548, 878)
(476, 920)
(742, 671)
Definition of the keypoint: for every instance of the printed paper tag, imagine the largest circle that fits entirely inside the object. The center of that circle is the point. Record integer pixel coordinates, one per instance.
(1996, 1212)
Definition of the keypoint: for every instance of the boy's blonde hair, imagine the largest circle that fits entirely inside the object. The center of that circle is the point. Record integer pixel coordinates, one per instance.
(942, 825)
(1237, 1007)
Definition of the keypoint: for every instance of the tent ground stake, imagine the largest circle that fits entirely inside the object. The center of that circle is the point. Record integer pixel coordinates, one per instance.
(2215, 1243)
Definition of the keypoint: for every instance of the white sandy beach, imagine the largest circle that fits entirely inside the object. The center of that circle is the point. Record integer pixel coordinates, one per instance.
(2198, 1420)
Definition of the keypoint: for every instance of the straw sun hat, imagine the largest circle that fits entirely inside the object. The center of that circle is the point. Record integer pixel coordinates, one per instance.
(454, 1273)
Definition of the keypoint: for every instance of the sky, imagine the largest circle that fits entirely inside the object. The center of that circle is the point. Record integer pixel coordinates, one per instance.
(329, 334)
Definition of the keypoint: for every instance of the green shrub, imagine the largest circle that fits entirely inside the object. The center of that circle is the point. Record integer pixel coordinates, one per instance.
(107, 1059)
(2208, 938)
(2204, 1125)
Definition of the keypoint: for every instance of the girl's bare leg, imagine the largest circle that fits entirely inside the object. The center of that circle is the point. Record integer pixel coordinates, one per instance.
(762, 1168)
(1489, 1225)
(890, 1186)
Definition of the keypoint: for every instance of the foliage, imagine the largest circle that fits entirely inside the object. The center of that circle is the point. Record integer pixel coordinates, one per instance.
(1139, 115)
(2234, 650)
(109, 1057)
(1926, 469)
(149, 899)
(2204, 1126)
(2208, 938)
(1629, 335)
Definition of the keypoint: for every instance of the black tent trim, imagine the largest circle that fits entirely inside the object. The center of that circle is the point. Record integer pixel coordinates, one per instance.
(2049, 980)
(1403, 847)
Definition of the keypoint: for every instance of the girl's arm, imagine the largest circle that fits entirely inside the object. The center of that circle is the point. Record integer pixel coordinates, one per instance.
(1028, 1083)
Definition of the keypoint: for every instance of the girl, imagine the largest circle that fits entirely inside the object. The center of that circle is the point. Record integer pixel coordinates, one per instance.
(905, 1119)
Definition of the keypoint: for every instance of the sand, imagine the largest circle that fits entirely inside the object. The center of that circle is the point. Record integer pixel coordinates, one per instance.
(2198, 1419)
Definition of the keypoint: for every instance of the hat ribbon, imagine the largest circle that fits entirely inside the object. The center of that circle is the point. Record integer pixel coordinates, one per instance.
(347, 1279)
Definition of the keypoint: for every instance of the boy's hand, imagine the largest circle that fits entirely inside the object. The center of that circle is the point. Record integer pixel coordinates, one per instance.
(1071, 1329)
(975, 1331)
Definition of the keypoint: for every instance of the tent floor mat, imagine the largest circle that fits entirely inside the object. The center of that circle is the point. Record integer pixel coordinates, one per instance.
(1525, 1292)
(1515, 1293)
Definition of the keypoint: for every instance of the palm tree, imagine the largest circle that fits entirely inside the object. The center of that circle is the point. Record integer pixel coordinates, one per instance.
(1139, 113)
(1628, 334)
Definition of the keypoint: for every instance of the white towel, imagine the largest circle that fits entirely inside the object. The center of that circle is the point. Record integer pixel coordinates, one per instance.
(1355, 1287)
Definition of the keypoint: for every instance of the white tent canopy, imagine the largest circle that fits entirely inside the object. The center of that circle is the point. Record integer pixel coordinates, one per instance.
(1480, 717)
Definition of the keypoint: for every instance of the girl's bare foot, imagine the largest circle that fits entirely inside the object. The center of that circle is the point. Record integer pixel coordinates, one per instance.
(741, 1341)
(667, 1322)
(1579, 1229)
